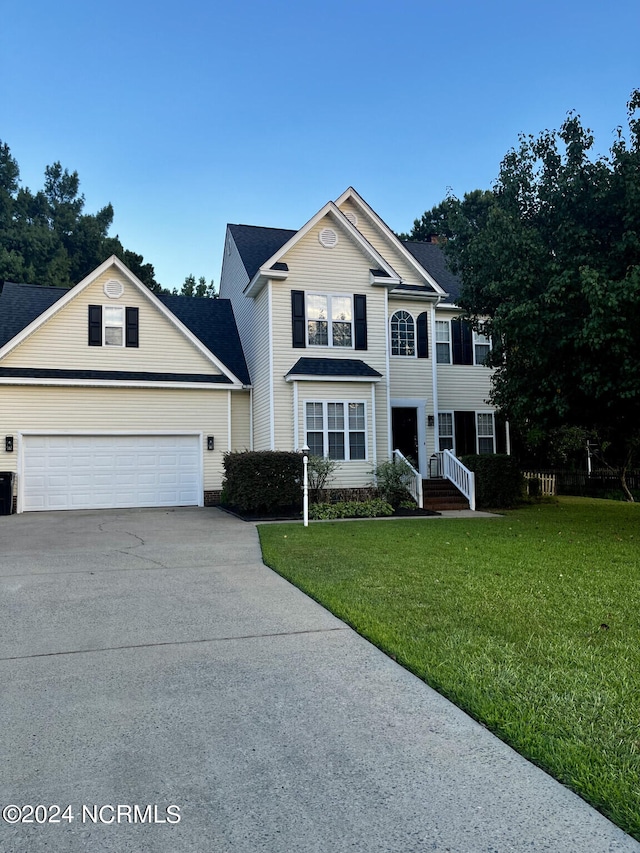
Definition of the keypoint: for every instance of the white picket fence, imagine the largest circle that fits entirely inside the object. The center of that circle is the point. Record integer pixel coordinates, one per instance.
(548, 484)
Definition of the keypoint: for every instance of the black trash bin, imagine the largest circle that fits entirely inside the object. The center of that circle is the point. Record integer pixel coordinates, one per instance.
(7, 479)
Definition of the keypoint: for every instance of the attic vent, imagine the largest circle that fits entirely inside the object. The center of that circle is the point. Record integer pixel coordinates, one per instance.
(353, 219)
(113, 289)
(328, 238)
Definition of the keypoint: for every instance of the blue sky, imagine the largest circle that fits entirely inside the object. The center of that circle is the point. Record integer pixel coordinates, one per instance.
(186, 116)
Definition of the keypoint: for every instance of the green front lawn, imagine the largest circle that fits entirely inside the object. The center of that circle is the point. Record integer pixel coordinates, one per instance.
(530, 623)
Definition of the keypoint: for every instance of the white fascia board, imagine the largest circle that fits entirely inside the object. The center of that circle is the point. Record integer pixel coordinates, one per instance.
(118, 383)
(451, 306)
(114, 261)
(411, 294)
(309, 378)
(265, 272)
(351, 194)
(383, 281)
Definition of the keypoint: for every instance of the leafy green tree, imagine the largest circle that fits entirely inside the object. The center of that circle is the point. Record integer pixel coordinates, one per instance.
(551, 255)
(199, 289)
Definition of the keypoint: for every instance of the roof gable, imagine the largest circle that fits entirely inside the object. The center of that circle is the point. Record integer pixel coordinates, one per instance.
(182, 336)
(272, 267)
(379, 233)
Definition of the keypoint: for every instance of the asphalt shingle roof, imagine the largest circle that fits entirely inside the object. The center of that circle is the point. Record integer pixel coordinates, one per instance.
(256, 244)
(120, 375)
(20, 304)
(210, 320)
(432, 257)
(332, 367)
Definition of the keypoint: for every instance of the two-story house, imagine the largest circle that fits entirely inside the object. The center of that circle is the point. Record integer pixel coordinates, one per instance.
(339, 337)
(355, 344)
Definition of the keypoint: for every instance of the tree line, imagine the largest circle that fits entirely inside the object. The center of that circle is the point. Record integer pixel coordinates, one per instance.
(549, 259)
(47, 238)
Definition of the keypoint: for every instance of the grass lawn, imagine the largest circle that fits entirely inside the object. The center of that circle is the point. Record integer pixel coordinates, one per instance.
(530, 623)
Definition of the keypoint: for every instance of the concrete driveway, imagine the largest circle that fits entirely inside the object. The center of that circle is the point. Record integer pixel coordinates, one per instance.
(148, 658)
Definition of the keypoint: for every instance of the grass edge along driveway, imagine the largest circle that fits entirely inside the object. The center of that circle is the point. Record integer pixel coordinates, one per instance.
(530, 623)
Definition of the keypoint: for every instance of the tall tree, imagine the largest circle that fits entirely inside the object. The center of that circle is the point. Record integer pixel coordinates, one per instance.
(199, 288)
(552, 257)
(46, 237)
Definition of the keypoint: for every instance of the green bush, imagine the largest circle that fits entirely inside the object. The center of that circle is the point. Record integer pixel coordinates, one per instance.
(393, 480)
(350, 509)
(499, 481)
(263, 481)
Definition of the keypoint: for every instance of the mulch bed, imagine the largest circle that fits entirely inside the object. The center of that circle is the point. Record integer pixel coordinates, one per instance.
(294, 514)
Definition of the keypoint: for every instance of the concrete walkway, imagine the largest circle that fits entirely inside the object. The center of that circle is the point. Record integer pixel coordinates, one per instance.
(149, 658)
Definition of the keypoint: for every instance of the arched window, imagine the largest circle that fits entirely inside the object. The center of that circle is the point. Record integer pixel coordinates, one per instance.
(403, 334)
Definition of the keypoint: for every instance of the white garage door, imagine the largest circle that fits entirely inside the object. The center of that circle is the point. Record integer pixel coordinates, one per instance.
(101, 471)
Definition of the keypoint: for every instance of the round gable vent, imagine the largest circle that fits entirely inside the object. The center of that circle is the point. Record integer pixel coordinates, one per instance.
(350, 215)
(113, 289)
(328, 238)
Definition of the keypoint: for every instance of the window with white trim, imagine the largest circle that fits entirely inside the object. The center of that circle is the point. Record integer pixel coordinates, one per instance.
(403, 334)
(329, 320)
(113, 325)
(486, 432)
(443, 342)
(336, 429)
(481, 346)
(445, 430)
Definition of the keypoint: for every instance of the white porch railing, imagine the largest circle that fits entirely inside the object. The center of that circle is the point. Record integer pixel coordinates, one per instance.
(415, 487)
(451, 467)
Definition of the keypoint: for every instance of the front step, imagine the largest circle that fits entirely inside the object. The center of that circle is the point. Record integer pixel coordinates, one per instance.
(440, 494)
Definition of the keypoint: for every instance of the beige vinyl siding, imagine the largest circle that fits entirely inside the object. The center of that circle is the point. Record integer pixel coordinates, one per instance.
(163, 348)
(462, 387)
(383, 245)
(348, 475)
(97, 410)
(316, 269)
(260, 373)
(240, 420)
(411, 376)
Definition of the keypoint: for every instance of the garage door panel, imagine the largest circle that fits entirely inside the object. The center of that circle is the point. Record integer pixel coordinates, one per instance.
(86, 472)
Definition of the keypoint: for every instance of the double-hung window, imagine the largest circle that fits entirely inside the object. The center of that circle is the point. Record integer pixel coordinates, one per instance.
(336, 429)
(443, 342)
(445, 430)
(481, 346)
(329, 320)
(486, 432)
(113, 326)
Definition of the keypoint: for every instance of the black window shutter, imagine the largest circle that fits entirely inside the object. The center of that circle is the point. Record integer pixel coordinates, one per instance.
(467, 343)
(461, 339)
(131, 327)
(423, 335)
(465, 432)
(360, 317)
(95, 325)
(501, 433)
(298, 319)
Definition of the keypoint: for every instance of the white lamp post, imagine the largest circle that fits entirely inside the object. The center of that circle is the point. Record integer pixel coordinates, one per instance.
(305, 486)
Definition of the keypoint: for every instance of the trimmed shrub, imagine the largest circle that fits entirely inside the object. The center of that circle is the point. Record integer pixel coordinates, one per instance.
(265, 481)
(350, 509)
(499, 481)
(393, 479)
